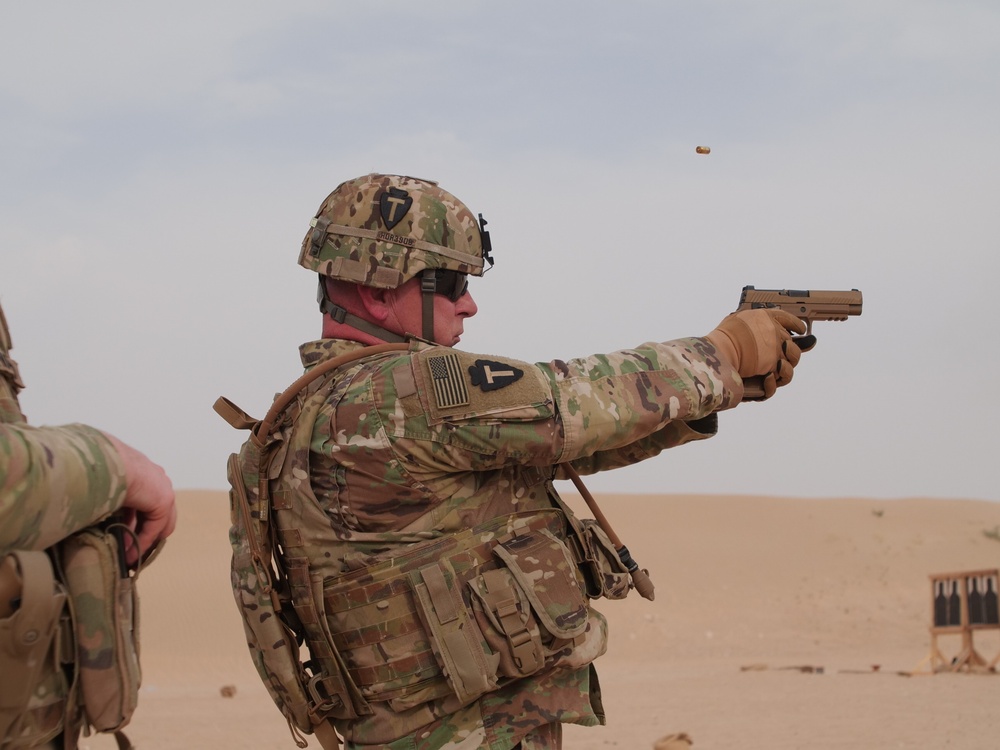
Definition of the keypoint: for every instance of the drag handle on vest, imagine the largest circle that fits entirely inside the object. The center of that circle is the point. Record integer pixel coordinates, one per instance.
(640, 577)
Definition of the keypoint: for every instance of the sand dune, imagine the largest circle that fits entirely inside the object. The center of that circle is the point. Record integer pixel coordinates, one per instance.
(770, 617)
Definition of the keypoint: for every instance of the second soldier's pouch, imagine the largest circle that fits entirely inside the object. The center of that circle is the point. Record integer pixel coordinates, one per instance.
(33, 687)
(106, 622)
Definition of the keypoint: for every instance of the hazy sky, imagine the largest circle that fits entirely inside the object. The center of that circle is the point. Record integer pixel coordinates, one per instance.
(159, 164)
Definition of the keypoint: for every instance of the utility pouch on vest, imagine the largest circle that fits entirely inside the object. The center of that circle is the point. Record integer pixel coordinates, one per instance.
(603, 569)
(33, 687)
(455, 639)
(105, 610)
(532, 607)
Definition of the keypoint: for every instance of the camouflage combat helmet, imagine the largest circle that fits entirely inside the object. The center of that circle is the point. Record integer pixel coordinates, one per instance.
(382, 230)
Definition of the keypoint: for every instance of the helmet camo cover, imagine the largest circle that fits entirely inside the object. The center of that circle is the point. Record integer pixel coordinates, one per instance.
(381, 230)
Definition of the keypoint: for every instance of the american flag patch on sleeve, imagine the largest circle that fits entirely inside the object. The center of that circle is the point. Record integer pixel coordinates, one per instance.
(449, 385)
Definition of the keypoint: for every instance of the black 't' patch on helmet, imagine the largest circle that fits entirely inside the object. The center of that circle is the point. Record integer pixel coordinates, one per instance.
(393, 205)
(492, 376)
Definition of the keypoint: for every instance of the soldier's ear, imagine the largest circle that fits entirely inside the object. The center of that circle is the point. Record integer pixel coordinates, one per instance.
(376, 302)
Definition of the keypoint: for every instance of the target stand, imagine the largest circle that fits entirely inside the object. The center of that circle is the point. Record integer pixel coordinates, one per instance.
(961, 604)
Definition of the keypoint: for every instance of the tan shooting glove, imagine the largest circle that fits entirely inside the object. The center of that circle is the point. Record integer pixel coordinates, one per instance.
(759, 346)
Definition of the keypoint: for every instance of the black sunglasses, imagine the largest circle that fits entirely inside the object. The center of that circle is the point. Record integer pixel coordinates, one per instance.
(451, 284)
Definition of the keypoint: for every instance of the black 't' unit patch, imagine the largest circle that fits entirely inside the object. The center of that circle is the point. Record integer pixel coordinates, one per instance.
(393, 205)
(492, 376)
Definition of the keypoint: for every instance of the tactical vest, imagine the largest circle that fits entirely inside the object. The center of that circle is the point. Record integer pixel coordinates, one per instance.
(68, 626)
(419, 623)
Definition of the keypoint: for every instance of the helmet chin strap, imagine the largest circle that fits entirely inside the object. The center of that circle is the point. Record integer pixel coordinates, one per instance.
(428, 286)
(428, 289)
(341, 315)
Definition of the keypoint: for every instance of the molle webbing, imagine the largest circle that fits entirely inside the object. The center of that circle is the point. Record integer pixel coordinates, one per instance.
(394, 623)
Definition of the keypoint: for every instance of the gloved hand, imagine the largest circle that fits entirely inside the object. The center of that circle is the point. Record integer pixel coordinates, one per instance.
(760, 343)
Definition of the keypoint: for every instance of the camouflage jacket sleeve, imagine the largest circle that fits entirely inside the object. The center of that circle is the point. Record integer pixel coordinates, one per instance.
(478, 413)
(619, 408)
(673, 434)
(54, 481)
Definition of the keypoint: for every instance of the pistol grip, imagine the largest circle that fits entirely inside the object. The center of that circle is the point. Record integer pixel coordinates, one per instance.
(753, 388)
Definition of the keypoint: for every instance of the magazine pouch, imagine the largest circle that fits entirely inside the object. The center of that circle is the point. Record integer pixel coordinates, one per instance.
(606, 574)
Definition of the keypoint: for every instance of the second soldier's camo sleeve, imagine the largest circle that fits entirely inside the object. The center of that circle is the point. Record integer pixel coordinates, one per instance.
(54, 481)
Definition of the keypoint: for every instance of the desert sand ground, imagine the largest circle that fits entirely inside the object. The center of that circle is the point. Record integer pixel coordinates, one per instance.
(770, 617)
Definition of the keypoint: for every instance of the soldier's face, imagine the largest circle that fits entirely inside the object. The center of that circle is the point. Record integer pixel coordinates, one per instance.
(449, 317)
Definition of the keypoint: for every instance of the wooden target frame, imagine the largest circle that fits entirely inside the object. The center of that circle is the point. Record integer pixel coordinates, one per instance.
(961, 604)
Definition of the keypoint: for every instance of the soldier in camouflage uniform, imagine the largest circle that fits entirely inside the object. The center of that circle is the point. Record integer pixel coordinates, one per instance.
(55, 481)
(443, 585)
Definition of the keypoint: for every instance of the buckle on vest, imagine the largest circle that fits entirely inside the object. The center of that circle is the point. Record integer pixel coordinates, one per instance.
(321, 704)
(525, 650)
